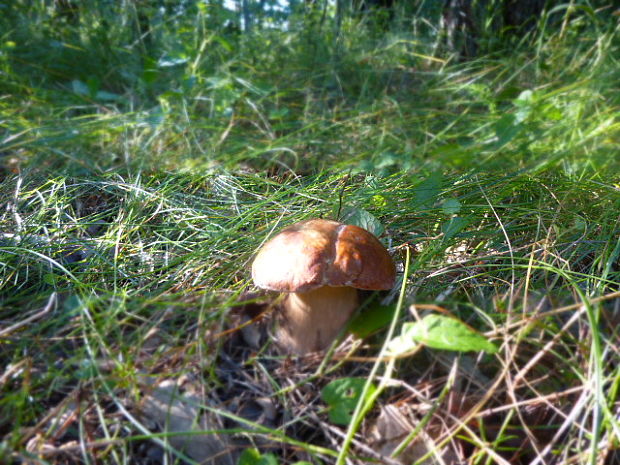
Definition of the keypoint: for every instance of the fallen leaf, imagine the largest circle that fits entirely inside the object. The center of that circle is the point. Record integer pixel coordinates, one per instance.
(177, 413)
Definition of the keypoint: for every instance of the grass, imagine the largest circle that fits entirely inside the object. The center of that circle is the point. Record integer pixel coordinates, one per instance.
(136, 193)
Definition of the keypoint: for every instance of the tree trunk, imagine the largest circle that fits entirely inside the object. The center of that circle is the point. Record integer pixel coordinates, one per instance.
(247, 15)
(462, 33)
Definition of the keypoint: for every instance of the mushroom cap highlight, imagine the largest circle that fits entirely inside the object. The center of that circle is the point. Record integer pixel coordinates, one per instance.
(315, 253)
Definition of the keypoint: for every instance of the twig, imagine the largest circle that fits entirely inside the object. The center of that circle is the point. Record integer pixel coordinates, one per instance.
(547, 398)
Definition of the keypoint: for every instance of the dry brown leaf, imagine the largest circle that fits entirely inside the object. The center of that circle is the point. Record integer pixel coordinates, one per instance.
(175, 412)
(392, 426)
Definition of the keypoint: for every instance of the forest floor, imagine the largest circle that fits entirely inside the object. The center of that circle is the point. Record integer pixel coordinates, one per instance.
(136, 195)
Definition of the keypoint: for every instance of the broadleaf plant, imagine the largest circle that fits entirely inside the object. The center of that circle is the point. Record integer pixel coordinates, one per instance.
(342, 396)
(440, 332)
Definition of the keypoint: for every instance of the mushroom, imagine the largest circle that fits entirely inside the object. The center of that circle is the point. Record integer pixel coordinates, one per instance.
(320, 264)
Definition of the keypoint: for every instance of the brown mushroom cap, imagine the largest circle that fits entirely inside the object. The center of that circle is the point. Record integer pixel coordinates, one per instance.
(316, 253)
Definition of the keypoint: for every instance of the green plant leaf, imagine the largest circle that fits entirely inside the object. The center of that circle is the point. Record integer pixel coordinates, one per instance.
(453, 226)
(342, 395)
(79, 87)
(401, 345)
(451, 206)
(105, 96)
(440, 332)
(49, 278)
(363, 219)
(253, 457)
(169, 61)
(249, 457)
(425, 194)
(371, 319)
(268, 459)
(506, 129)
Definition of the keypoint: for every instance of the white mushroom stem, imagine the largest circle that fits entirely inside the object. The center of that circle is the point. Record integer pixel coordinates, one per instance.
(313, 319)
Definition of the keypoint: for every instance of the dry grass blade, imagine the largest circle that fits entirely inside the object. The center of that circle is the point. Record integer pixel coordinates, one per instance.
(35, 316)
